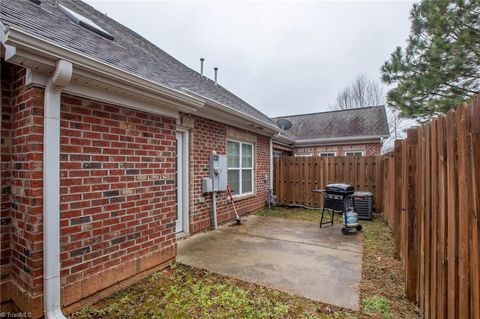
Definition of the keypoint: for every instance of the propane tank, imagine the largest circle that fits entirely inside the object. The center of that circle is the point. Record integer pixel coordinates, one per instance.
(350, 218)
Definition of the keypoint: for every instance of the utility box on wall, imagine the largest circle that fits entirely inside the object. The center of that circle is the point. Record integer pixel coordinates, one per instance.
(218, 172)
(207, 185)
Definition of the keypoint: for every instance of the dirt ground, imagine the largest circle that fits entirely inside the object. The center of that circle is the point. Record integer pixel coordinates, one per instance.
(186, 292)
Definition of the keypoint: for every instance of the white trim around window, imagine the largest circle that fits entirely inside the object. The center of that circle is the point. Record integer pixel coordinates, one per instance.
(354, 153)
(327, 154)
(303, 154)
(240, 167)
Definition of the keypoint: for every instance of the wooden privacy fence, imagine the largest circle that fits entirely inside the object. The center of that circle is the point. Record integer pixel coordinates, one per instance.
(296, 177)
(432, 204)
(429, 191)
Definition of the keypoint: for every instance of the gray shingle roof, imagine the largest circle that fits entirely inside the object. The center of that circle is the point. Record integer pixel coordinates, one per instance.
(128, 51)
(366, 121)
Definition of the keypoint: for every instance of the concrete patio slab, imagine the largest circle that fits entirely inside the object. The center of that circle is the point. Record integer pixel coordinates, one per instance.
(289, 255)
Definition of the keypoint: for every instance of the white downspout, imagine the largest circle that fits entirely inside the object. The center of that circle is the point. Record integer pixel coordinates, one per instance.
(51, 190)
(271, 163)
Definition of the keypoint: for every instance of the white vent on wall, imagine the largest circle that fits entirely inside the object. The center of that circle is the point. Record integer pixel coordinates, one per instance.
(84, 22)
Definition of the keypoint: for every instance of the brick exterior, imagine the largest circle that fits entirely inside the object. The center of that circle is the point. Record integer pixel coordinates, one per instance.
(117, 192)
(369, 149)
(12, 79)
(208, 136)
(21, 188)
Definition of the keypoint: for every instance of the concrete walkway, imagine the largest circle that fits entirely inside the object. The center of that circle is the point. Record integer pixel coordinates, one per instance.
(289, 255)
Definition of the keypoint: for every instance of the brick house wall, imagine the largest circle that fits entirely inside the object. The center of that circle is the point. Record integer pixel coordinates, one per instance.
(117, 188)
(12, 77)
(369, 149)
(207, 136)
(117, 194)
(21, 198)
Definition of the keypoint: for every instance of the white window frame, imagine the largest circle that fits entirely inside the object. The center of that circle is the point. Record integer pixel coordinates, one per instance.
(327, 154)
(356, 151)
(303, 154)
(240, 193)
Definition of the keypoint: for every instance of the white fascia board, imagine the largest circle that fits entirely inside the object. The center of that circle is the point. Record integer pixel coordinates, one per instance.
(282, 139)
(101, 95)
(125, 89)
(286, 145)
(216, 115)
(225, 108)
(26, 42)
(112, 98)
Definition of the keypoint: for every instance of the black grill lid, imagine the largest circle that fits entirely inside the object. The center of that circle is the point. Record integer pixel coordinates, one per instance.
(339, 187)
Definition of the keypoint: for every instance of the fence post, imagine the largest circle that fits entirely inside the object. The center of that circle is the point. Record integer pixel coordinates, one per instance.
(396, 197)
(404, 203)
(412, 228)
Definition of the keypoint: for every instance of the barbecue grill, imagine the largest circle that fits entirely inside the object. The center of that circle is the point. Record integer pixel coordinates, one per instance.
(334, 199)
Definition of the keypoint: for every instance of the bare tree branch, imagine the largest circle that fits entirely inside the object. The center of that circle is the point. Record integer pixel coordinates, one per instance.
(360, 93)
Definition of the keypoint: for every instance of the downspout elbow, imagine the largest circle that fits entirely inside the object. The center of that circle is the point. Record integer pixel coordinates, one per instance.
(51, 190)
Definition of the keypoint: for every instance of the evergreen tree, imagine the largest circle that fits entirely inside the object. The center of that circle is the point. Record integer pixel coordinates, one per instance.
(440, 67)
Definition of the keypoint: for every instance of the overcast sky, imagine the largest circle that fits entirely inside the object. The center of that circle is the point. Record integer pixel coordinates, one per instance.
(281, 57)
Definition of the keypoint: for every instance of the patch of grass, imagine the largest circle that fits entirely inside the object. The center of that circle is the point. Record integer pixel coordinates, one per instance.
(377, 306)
(382, 274)
(311, 215)
(185, 292)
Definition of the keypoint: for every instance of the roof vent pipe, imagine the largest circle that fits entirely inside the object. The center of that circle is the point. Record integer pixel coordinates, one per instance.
(216, 71)
(201, 65)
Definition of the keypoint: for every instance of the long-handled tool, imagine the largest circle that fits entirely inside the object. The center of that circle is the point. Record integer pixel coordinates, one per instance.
(237, 218)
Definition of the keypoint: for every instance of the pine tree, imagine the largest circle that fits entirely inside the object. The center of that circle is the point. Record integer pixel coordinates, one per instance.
(440, 67)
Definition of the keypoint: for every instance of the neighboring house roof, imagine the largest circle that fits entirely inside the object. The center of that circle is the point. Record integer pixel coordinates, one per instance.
(128, 51)
(358, 123)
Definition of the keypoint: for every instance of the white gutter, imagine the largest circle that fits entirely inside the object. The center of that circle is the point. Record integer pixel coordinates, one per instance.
(51, 190)
(282, 139)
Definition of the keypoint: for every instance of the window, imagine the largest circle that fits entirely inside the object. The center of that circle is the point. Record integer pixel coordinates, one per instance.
(240, 167)
(327, 154)
(277, 153)
(303, 154)
(354, 153)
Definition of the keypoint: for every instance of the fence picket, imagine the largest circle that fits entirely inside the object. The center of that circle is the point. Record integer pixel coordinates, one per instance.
(452, 209)
(462, 125)
(473, 145)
